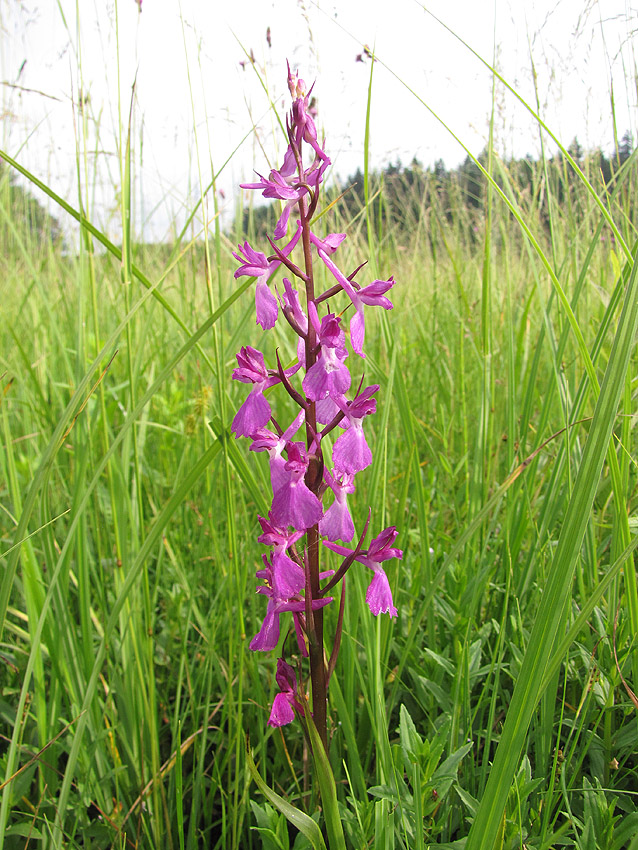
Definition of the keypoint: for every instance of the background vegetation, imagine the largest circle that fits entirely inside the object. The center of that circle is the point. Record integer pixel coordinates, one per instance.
(129, 517)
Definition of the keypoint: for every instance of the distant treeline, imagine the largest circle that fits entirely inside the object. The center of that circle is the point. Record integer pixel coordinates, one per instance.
(399, 195)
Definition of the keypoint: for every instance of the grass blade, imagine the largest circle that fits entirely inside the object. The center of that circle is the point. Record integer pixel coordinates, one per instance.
(528, 689)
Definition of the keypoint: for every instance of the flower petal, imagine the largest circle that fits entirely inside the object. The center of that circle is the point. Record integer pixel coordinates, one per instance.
(357, 332)
(282, 711)
(265, 306)
(252, 415)
(294, 504)
(351, 453)
(337, 523)
(267, 637)
(379, 595)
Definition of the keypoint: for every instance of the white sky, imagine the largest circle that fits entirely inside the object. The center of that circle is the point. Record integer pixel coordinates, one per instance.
(195, 102)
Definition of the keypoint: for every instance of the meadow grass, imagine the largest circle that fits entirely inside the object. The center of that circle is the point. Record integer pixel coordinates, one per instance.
(503, 451)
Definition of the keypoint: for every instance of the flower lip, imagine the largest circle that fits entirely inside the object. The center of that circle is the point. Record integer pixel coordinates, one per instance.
(285, 703)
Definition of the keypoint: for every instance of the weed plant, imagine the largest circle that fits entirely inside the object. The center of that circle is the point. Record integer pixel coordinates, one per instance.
(501, 695)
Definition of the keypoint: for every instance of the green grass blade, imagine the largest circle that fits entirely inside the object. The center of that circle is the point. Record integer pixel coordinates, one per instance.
(527, 691)
(101, 238)
(553, 137)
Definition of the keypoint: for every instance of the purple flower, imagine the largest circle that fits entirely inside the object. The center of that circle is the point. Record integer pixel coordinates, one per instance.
(296, 316)
(326, 410)
(294, 503)
(265, 440)
(311, 179)
(378, 595)
(336, 523)
(291, 304)
(301, 118)
(284, 581)
(328, 376)
(283, 585)
(285, 185)
(283, 576)
(256, 264)
(278, 185)
(330, 243)
(251, 368)
(314, 174)
(285, 703)
(351, 452)
(273, 535)
(288, 576)
(255, 411)
(372, 295)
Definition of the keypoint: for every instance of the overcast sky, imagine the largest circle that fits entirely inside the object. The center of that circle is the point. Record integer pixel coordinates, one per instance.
(195, 102)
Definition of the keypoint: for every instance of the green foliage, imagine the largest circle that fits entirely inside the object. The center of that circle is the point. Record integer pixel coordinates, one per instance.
(23, 219)
(402, 195)
(128, 519)
(157, 568)
(421, 796)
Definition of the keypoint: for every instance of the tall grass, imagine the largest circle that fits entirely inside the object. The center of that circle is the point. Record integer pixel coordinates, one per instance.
(496, 708)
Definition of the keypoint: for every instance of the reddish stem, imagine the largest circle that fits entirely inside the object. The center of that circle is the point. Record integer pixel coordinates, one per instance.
(317, 664)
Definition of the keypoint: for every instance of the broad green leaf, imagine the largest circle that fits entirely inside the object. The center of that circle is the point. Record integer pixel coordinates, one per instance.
(300, 820)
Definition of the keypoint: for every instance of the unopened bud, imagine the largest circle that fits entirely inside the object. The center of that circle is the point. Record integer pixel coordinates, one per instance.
(296, 86)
